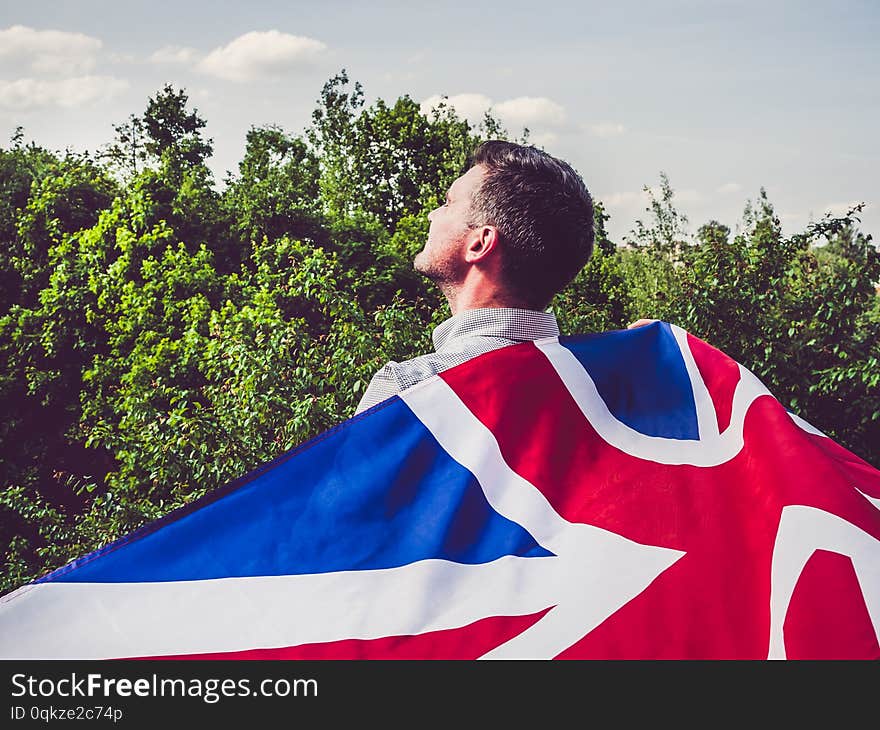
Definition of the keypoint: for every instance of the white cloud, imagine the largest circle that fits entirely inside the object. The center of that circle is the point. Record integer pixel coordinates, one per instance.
(687, 195)
(642, 198)
(49, 51)
(468, 106)
(545, 139)
(174, 54)
(257, 55)
(123, 58)
(23, 94)
(536, 113)
(620, 200)
(525, 111)
(607, 129)
(730, 187)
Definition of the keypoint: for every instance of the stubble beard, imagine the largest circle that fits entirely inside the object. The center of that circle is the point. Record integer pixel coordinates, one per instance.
(441, 272)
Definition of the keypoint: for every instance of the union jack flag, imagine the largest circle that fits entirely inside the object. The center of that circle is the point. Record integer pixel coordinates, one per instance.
(633, 494)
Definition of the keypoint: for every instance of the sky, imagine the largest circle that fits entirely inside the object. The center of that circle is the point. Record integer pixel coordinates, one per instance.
(725, 98)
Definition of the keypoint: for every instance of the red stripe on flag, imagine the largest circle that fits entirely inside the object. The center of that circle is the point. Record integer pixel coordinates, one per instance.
(467, 642)
(720, 374)
(843, 626)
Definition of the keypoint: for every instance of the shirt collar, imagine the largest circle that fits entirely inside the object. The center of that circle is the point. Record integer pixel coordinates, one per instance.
(521, 325)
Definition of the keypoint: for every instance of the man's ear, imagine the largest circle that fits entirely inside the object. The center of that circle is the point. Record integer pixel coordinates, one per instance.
(483, 243)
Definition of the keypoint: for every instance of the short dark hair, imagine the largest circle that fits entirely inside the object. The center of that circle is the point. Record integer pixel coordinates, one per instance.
(543, 213)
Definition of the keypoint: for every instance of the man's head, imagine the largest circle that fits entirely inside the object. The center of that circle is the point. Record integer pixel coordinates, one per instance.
(518, 212)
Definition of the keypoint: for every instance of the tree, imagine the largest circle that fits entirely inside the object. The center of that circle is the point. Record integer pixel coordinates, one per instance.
(173, 132)
(795, 312)
(40, 342)
(20, 167)
(667, 230)
(276, 192)
(127, 153)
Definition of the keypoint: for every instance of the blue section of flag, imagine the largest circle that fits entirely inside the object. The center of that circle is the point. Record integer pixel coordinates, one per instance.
(641, 376)
(375, 492)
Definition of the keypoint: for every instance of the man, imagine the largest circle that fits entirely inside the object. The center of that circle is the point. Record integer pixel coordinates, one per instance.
(514, 230)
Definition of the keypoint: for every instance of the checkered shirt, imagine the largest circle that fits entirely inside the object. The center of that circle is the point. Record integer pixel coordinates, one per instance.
(458, 339)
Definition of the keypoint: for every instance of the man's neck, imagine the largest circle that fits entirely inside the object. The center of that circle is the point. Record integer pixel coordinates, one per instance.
(463, 299)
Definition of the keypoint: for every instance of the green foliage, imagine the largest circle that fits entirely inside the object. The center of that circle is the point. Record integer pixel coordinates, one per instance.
(796, 312)
(276, 192)
(172, 132)
(388, 162)
(167, 131)
(667, 230)
(43, 198)
(598, 299)
(159, 338)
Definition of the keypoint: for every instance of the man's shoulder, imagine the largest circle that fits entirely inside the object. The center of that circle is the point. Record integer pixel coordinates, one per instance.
(394, 377)
(406, 373)
(409, 372)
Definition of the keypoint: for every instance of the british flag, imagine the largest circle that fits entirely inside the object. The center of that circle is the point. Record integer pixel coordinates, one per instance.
(633, 494)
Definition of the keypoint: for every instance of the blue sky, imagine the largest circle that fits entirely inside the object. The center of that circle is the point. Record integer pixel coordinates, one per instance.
(724, 97)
